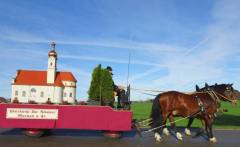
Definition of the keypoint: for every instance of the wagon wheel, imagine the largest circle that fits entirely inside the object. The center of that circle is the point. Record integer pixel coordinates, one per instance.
(35, 133)
(112, 134)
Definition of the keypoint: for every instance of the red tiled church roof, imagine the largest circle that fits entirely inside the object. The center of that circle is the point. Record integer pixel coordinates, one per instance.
(31, 77)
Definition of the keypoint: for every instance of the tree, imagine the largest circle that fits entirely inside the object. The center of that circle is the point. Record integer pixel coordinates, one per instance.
(101, 88)
(94, 90)
(107, 88)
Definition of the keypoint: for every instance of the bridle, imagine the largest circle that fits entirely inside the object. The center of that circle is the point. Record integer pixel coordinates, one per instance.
(214, 97)
(226, 98)
(217, 95)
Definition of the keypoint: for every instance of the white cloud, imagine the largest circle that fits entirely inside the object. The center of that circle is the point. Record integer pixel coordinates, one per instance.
(110, 60)
(206, 64)
(11, 34)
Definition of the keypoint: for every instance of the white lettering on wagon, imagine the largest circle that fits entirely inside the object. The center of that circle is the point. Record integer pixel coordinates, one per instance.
(31, 113)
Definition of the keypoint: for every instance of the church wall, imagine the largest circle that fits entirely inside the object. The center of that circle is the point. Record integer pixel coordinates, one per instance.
(69, 94)
(39, 94)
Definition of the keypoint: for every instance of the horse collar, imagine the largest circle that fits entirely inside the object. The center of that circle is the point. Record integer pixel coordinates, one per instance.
(200, 104)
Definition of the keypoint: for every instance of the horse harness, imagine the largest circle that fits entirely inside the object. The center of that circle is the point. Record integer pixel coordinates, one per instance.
(202, 107)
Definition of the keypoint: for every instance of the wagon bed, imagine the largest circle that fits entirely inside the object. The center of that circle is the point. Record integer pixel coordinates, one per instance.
(36, 116)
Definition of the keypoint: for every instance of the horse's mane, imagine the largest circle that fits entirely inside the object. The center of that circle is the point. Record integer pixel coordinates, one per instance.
(214, 86)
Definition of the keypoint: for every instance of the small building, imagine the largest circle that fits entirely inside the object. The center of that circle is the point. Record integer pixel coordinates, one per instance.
(42, 86)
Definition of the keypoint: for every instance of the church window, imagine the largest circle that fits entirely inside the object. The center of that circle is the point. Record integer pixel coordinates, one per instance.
(70, 95)
(42, 94)
(65, 94)
(23, 93)
(33, 90)
(16, 93)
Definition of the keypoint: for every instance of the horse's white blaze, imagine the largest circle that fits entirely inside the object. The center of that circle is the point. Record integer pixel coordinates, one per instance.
(213, 140)
(166, 132)
(187, 132)
(157, 137)
(179, 136)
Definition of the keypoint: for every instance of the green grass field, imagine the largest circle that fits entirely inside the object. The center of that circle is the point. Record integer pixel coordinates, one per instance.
(228, 120)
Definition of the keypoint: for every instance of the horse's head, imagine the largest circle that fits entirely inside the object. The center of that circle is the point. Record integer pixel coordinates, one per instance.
(226, 92)
(230, 93)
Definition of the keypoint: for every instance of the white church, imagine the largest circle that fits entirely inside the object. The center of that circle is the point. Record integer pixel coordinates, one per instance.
(42, 86)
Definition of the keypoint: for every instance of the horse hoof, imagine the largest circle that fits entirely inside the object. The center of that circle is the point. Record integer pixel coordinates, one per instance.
(213, 140)
(157, 137)
(187, 132)
(166, 132)
(179, 136)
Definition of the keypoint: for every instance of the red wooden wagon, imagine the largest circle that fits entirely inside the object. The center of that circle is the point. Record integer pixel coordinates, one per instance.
(34, 119)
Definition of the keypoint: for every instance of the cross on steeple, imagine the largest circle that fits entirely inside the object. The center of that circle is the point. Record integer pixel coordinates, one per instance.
(53, 45)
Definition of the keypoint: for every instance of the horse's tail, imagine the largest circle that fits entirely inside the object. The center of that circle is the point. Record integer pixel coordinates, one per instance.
(156, 114)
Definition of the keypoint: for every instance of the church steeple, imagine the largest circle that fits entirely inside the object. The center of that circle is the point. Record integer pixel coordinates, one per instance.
(52, 64)
(53, 52)
(53, 45)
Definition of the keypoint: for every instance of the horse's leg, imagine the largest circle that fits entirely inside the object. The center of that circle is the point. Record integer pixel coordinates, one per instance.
(208, 128)
(156, 116)
(178, 134)
(212, 139)
(165, 129)
(187, 129)
(157, 124)
(157, 131)
(157, 135)
(209, 123)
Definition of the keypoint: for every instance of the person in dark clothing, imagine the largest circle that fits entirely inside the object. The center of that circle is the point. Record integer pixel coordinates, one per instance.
(115, 87)
(118, 91)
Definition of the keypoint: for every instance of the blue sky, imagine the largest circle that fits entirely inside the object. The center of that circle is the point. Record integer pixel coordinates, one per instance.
(173, 44)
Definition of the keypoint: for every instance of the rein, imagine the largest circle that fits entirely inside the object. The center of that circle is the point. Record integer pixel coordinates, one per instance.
(150, 130)
(224, 97)
(214, 97)
(159, 91)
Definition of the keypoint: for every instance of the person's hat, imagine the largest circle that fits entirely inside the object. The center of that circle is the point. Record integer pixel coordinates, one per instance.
(109, 68)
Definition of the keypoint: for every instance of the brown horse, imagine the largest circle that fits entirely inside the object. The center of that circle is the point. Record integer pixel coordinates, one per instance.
(170, 104)
(221, 92)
